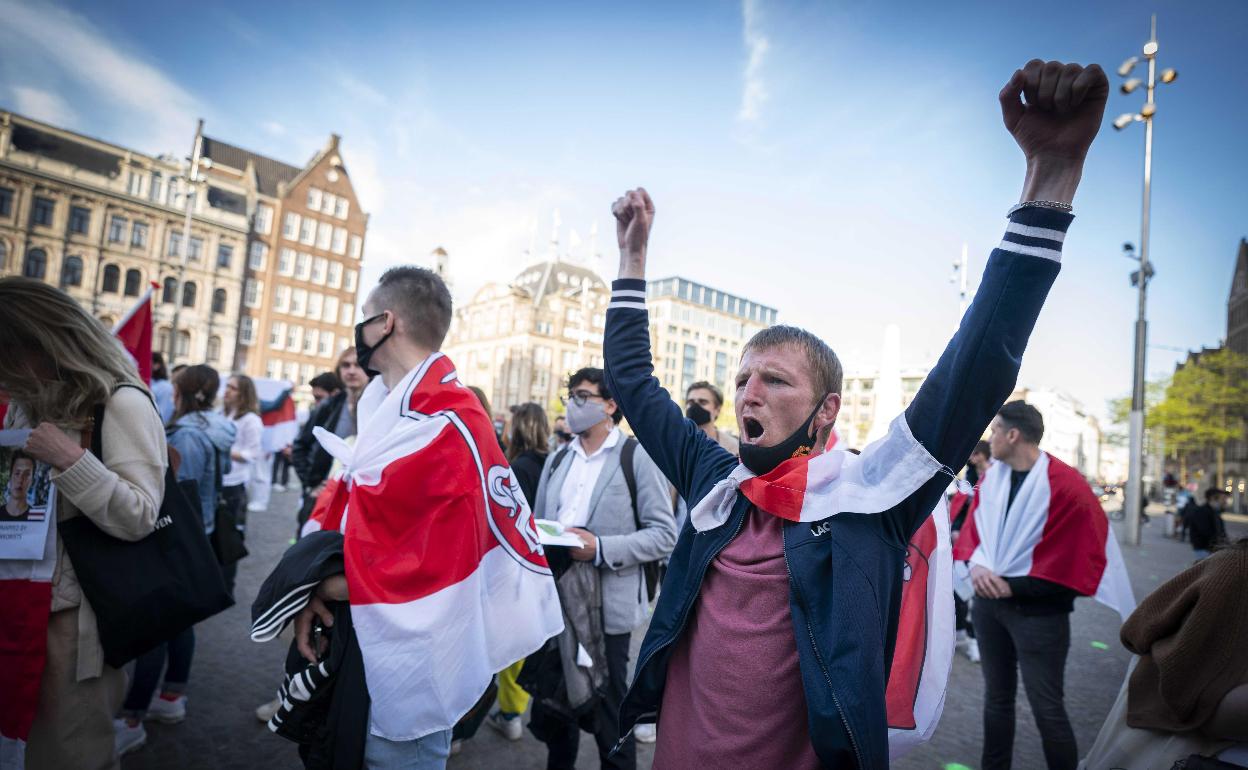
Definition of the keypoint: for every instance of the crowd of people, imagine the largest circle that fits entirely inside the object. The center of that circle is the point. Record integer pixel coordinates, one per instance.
(462, 557)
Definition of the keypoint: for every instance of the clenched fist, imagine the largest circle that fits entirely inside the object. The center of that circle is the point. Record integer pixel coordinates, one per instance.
(634, 216)
(1062, 111)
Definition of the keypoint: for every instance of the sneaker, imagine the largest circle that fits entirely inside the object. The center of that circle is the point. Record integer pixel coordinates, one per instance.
(257, 507)
(126, 738)
(279, 487)
(511, 728)
(972, 650)
(646, 733)
(961, 637)
(266, 711)
(168, 711)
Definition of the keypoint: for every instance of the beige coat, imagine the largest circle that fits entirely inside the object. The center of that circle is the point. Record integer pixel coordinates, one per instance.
(122, 497)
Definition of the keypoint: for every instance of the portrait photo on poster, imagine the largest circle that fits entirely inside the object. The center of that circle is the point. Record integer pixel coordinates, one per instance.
(27, 499)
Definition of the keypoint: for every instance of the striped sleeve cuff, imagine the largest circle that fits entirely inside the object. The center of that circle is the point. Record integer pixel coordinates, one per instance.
(628, 294)
(1037, 232)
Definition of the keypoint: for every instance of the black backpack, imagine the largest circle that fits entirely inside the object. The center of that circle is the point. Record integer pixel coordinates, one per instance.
(653, 570)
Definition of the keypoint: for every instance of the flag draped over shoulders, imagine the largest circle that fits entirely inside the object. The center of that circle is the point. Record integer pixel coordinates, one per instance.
(1054, 530)
(447, 579)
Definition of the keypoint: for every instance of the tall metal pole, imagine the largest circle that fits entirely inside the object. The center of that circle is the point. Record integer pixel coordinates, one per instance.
(186, 242)
(1135, 482)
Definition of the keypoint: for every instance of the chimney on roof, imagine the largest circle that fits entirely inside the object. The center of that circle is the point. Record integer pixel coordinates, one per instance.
(334, 140)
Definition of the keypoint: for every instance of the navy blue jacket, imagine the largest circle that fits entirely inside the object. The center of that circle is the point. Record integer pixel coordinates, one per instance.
(845, 574)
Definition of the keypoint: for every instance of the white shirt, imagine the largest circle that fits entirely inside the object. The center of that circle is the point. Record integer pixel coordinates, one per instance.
(583, 473)
(249, 429)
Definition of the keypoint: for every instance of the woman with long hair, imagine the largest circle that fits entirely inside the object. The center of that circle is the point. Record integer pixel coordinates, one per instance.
(203, 440)
(58, 365)
(242, 406)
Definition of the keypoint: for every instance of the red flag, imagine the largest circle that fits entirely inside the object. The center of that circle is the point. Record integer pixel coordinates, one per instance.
(135, 332)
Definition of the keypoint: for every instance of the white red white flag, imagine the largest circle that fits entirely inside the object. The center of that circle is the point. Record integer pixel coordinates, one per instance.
(448, 581)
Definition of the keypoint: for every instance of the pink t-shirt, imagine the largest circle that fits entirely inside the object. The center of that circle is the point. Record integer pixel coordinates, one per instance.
(734, 691)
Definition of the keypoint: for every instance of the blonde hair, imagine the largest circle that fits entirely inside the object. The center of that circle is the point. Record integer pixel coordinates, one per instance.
(529, 430)
(57, 362)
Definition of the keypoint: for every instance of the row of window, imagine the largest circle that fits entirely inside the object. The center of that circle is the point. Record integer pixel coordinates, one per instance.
(328, 203)
(302, 303)
(318, 270)
(155, 187)
(322, 235)
(212, 355)
(299, 374)
(190, 293)
(310, 342)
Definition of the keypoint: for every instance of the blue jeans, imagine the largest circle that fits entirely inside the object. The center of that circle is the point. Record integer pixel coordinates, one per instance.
(427, 753)
(147, 669)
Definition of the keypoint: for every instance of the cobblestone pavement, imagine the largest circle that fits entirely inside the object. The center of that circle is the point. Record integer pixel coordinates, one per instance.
(231, 675)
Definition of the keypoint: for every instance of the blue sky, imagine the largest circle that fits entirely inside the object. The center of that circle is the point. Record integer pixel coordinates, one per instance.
(827, 158)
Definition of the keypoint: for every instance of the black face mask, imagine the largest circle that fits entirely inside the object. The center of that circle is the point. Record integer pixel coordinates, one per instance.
(698, 414)
(764, 459)
(363, 351)
(564, 435)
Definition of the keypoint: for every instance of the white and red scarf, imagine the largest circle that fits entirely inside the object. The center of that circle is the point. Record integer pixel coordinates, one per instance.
(448, 581)
(1055, 530)
(814, 487)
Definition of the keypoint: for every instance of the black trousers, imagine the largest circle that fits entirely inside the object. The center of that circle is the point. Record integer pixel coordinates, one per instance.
(1010, 641)
(236, 498)
(564, 744)
(961, 616)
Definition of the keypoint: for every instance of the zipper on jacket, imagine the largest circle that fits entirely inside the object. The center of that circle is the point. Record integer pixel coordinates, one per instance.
(684, 616)
(784, 547)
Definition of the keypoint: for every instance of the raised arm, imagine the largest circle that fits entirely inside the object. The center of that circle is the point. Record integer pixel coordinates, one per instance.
(684, 454)
(1054, 127)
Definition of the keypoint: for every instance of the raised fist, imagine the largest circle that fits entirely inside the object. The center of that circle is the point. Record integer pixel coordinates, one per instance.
(1054, 110)
(634, 216)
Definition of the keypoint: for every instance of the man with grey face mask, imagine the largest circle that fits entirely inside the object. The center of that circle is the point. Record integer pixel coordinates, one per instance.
(605, 489)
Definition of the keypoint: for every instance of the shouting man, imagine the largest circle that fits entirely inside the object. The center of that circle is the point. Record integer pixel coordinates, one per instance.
(774, 634)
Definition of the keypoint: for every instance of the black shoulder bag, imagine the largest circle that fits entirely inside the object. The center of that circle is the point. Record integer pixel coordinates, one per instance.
(146, 592)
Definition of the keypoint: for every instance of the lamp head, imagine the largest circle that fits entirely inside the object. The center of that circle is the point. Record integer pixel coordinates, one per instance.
(1125, 68)
(1168, 75)
(1124, 120)
(1150, 49)
(1130, 85)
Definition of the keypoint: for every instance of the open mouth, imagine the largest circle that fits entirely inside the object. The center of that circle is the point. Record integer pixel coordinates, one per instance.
(753, 428)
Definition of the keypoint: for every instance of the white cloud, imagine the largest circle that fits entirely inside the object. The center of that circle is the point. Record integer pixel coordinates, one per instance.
(754, 89)
(273, 128)
(42, 105)
(54, 43)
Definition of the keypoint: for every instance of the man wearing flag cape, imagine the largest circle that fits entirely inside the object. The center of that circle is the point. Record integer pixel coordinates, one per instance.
(806, 619)
(1035, 539)
(445, 577)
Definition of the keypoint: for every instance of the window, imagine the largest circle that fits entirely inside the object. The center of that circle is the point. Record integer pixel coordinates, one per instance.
(330, 315)
(294, 337)
(309, 342)
(689, 368)
(162, 339)
(112, 277)
(721, 369)
(314, 199)
(6, 202)
(256, 255)
(155, 190)
(273, 369)
(327, 206)
(218, 301)
(247, 330)
(318, 269)
(303, 266)
(184, 343)
(36, 265)
(298, 301)
(357, 247)
(277, 335)
(350, 282)
(286, 262)
(134, 185)
(264, 219)
(314, 304)
(197, 248)
(348, 314)
(138, 235)
(324, 235)
(305, 373)
(291, 371)
(340, 208)
(334, 277)
(252, 289)
(79, 220)
(189, 292)
(71, 272)
(169, 291)
(325, 344)
(175, 244)
(339, 245)
(290, 226)
(214, 349)
(307, 231)
(42, 212)
(134, 279)
(4, 256)
(281, 298)
(225, 255)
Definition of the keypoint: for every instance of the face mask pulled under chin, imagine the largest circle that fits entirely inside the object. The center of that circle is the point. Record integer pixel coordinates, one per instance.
(582, 417)
(761, 460)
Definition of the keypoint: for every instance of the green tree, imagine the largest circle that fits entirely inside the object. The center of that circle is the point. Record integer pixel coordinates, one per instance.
(1206, 404)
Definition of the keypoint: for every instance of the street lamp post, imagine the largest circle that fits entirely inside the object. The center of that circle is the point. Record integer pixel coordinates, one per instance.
(1134, 502)
(196, 152)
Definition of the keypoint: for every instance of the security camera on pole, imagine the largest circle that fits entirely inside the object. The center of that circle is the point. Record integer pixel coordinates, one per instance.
(1134, 503)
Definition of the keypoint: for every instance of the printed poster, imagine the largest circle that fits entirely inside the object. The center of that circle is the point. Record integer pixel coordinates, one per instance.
(27, 499)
